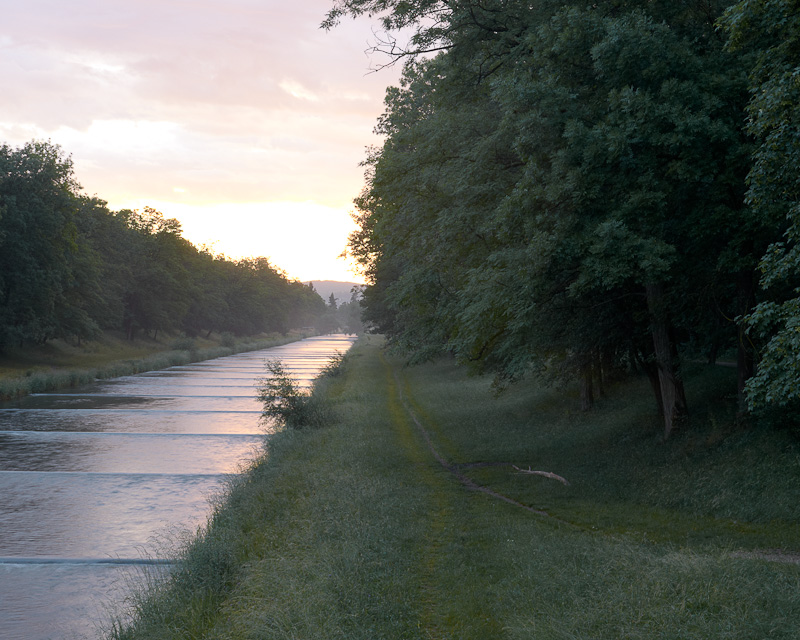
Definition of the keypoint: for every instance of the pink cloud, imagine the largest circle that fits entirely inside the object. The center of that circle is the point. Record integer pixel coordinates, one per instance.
(254, 102)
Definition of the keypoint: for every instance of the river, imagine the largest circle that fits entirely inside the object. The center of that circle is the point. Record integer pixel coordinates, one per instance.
(98, 483)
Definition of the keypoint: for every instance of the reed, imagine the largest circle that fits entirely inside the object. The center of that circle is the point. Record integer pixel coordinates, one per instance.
(32, 381)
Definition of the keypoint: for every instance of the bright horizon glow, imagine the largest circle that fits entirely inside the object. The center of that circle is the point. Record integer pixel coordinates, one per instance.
(244, 121)
(308, 235)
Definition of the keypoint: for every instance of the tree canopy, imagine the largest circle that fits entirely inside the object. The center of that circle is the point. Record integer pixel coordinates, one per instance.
(770, 31)
(561, 190)
(70, 268)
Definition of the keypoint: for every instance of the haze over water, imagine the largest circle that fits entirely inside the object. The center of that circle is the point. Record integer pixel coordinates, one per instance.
(96, 480)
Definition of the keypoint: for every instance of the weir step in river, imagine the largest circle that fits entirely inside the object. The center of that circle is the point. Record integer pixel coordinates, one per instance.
(97, 484)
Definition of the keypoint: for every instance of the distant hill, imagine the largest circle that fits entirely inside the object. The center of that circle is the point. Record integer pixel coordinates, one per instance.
(340, 290)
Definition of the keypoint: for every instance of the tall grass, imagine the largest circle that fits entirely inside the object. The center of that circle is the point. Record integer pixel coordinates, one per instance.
(48, 381)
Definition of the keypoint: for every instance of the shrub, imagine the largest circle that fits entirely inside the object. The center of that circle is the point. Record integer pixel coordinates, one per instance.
(335, 366)
(184, 344)
(286, 404)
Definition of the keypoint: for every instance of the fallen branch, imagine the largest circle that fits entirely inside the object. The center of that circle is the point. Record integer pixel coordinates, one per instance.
(546, 474)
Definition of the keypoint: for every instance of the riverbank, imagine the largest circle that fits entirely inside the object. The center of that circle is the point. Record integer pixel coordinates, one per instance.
(60, 365)
(375, 527)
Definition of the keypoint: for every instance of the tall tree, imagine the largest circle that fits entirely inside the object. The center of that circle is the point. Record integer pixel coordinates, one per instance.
(70, 268)
(562, 187)
(45, 271)
(770, 31)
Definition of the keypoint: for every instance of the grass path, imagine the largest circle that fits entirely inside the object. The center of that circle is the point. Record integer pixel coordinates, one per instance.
(402, 389)
(437, 512)
(357, 532)
(440, 491)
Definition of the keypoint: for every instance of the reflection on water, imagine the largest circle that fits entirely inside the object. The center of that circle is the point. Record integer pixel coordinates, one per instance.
(62, 593)
(102, 515)
(114, 472)
(156, 401)
(101, 420)
(124, 453)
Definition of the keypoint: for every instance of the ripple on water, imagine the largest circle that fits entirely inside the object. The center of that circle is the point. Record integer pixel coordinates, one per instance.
(126, 453)
(121, 469)
(65, 601)
(84, 515)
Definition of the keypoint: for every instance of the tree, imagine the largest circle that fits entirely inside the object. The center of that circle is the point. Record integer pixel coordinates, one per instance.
(157, 292)
(770, 31)
(47, 273)
(350, 313)
(562, 187)
(307, 305)
(70, 268)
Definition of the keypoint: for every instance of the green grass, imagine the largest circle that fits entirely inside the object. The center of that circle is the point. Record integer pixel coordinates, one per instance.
(714, 481)
(59, 364)
(355, 531)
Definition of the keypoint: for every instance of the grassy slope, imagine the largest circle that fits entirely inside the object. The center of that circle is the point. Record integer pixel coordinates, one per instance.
(59, 364)
(62, 354)
(356, 531)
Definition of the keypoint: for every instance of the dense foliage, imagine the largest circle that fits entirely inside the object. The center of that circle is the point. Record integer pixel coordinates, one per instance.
(288, 405)
(562, 188)
(771, 30)
(70, 268)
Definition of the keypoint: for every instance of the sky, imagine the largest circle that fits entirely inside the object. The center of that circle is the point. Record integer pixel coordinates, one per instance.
(241, 118)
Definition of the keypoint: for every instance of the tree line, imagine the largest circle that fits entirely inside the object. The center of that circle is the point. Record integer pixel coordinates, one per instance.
(70, 268)
(570, 187)
(344, 316)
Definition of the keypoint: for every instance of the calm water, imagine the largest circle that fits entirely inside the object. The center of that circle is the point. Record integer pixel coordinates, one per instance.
(95, 481)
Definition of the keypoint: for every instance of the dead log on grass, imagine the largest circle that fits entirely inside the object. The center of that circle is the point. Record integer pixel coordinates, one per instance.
(545, 474)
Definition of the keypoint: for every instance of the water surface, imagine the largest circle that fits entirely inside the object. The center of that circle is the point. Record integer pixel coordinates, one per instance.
(98, 481)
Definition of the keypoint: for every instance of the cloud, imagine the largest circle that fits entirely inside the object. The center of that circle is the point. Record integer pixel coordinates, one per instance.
(297, 90)
(126, 138)
(232, 102)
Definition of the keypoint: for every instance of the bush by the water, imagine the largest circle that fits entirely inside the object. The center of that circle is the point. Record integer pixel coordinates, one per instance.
(287, 405)
(184, 343)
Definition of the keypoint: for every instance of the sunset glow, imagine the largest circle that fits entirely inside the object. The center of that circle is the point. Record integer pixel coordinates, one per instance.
(243, 120)
(305, 238)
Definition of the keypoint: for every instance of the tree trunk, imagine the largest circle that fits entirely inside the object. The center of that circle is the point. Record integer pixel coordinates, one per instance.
(587, 393)
(673, 397)
(644, 359)
(601, 369)
(745, 364)
(652, 375)
(633, 359)
(713, 350)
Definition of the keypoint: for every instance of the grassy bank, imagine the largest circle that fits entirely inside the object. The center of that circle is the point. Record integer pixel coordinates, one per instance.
(358, 531)
(59, 364)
